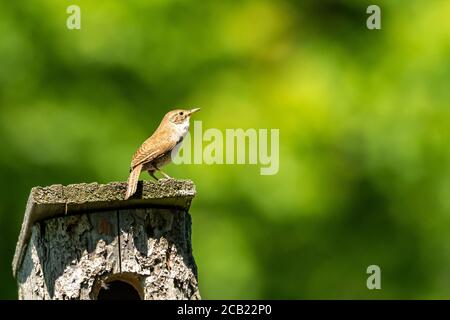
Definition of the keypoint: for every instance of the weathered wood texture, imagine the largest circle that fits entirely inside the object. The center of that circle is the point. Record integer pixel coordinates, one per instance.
(75, 256)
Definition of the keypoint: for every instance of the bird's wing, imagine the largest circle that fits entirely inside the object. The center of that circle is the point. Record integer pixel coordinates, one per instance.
(152, 148)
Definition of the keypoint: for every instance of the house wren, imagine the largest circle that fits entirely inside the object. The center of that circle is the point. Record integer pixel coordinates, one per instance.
(157, 150)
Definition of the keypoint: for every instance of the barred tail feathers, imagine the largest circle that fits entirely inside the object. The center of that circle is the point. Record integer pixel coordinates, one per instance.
(133, 181)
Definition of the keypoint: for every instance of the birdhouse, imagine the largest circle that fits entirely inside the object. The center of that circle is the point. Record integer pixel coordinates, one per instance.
(84, 241)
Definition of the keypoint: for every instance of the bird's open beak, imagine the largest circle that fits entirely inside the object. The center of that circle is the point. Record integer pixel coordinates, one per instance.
(193, 111)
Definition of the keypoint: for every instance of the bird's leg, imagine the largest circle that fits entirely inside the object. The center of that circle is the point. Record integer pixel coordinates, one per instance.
(152, 173)
(163, 173)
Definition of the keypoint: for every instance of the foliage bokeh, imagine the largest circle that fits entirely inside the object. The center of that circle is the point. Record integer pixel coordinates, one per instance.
(364, 132)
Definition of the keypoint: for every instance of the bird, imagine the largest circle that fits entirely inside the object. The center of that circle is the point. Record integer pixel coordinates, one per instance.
(157, 150)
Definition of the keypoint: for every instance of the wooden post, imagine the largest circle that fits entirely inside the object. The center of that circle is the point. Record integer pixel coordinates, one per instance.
(83, 241)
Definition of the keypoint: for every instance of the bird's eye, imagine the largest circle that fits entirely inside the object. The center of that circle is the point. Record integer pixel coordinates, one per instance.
(181, 113)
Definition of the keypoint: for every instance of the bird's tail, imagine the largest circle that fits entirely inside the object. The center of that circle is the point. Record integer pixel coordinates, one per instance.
(133, 181)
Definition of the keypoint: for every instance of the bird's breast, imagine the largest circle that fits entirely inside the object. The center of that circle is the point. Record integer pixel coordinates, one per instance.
(181, 129)
(177, 147)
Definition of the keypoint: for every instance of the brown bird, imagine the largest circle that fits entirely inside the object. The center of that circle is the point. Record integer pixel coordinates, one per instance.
(157, 150)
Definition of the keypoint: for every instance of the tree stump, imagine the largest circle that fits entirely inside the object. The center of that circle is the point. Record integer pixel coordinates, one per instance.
(84, 241)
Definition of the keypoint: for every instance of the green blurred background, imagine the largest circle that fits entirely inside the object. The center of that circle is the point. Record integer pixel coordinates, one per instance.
(364, 132)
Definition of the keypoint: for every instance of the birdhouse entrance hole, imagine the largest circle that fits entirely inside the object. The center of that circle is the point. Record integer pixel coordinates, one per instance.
(122, 286)
(118, 290)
